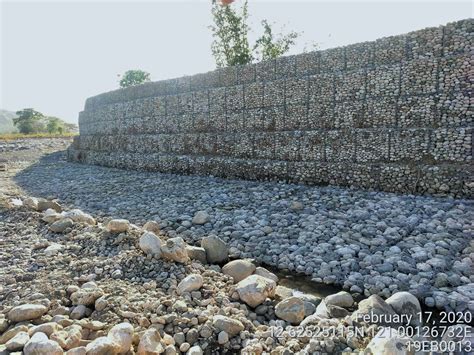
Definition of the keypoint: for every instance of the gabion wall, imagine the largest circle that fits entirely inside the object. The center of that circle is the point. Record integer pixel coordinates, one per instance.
(395, 114)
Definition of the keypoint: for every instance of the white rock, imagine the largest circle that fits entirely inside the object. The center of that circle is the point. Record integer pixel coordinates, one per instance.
(340, 299)
(31, 202)
(79, 216)
(150, 343)
(17, 342)
(194, 350)
(81, 350)
(388, 341)
(255, 289)
(103, 346)
(53, 249)
(223, 337)
(118, 225)
(150, 244)
(39, 344)
(175, 249)
(26, 312)
(152, 226)
(201, 217)
(190, 283)
(51, 216)
(406, 303)
(86, 296)
(122, 334)
(238, 269)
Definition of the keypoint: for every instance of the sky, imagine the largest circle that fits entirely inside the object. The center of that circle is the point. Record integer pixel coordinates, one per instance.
(54, 55)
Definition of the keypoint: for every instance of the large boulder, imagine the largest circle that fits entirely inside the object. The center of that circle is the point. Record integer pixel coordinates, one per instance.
(86, 296)
(375, 310)
(150, 244)
(265, 273)
(39, 344)
(340, 299)
(291, 309)
(229, 325)
(404, 303)
(79, 216)
(118, 225)
(238, 269)
(255, 289)
(150, 343)
(388, 341)
(26, 312)
(175, 249)
(190, 283)
(103, 346)
(201, 217)
(122, 334)
(216, 250)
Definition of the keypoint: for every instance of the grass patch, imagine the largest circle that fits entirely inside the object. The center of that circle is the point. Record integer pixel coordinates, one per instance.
(12, 136)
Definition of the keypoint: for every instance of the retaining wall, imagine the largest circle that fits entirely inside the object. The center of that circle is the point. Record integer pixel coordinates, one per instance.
(394, 114)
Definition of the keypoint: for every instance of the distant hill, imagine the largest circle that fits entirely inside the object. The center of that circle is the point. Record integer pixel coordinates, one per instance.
(6, 123)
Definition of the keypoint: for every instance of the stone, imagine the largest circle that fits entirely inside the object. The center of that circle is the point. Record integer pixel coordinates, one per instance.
(255, 289)
(46, 328)
(39, 344)
(150, 343)
(17, 342)
(282, 292)
(216, 250)
(229, 325)
(68, 338)
(406, 303)
(86, 296)
(101, 303)
(378, 310)
(197, 253)
(51, 216)
(78, 312)
(201, 217)
(222, 337)
(238, 269)
(340, 299)
(44, 205)
(265, 273)
(175, 249)
(122, 334)
(79, 216)
(389, 341)
(150, 244)
(26, 312)
(12, 332)
(80, 350)
(118, 225)
(103, 346)
(31, 203)
(194, 350)
(53, 249)
(61, 225)
(190, 283)
(291, 309)
(152, 226)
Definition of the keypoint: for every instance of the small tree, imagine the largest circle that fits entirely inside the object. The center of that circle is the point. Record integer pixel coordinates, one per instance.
(134, 77)
(269, 47)
(55, 125)
(29, 121)
(230, 31)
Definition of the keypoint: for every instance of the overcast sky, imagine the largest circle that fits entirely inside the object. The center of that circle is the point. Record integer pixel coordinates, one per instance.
(56, 54)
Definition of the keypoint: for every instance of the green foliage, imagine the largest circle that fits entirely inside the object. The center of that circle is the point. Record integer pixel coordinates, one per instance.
(268, 46)
(230, 31)
(29, 121)
(134, 77)
(55, 125)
